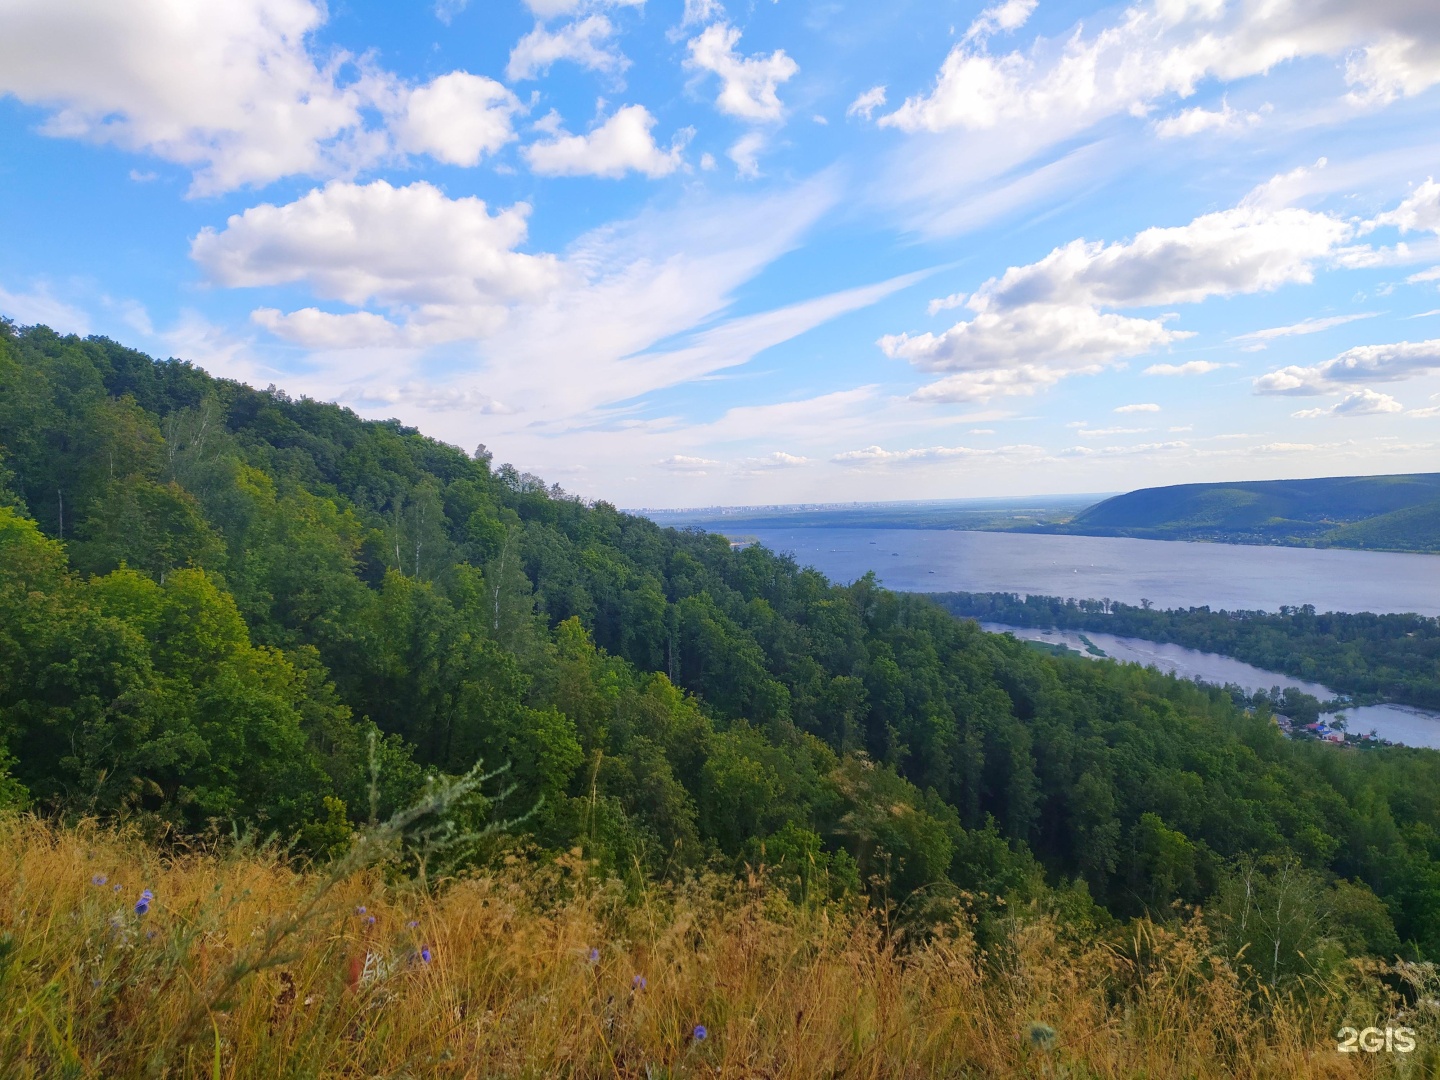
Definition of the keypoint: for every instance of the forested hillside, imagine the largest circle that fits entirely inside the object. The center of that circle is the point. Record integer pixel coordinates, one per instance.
(1393, 513)
(212, 597)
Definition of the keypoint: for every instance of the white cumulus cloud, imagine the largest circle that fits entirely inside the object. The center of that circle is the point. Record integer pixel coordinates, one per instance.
(1363, 402)
(1199, 121)
(1391, 48)
(777, 460)
(588, 42)
(449, 265)
(1363, 364)
(1037, 323)
(1226, 253)
(946, 303)
(1419, 212)
(1190, 367)
(748, 84)
(326, 330)
(1076, 337)
(623, 143)
(457, 118)
(1144, 407)
(980, 386)
(235, 90)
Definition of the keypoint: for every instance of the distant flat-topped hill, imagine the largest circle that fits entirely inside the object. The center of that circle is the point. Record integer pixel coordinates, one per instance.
(1392, 513)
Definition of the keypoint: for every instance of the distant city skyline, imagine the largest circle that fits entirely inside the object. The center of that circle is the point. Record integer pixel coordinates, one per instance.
(698, 253)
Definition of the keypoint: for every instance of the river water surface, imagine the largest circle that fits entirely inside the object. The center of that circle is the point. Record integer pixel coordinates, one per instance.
(1170, 574)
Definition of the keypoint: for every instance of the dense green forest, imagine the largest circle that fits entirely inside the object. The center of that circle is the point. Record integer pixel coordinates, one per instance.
(1392, 658)
(214, 600)
(1390, 513)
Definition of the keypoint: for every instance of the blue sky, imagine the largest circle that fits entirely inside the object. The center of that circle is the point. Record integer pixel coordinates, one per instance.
(688, 252)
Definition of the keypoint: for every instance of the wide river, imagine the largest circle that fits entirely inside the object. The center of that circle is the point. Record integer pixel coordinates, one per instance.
(1167, 573)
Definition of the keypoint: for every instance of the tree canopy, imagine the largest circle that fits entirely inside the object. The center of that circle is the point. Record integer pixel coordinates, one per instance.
(215, 599)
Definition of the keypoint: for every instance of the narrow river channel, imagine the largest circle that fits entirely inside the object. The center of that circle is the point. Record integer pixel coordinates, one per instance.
(1397, 723)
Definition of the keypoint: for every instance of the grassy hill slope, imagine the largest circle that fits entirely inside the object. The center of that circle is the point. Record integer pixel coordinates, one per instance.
(495, 976)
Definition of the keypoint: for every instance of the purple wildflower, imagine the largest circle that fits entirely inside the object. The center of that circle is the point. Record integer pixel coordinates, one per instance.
(425, 953)
(638, 983)
(360, 910)
(369, 920)
(98, 879)
(143, 904)
(700, 1033)
(413, 923)
(117, 888)
(594, 956)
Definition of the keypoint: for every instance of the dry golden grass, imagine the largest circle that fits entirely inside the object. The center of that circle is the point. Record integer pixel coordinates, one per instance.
(202, 986)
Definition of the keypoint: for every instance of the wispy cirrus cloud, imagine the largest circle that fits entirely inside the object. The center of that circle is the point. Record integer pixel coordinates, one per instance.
(40, 305)
(778, 459)
(686, 463)
(1255, 340)
(878, 456)
(865, 104)
(645, 303)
